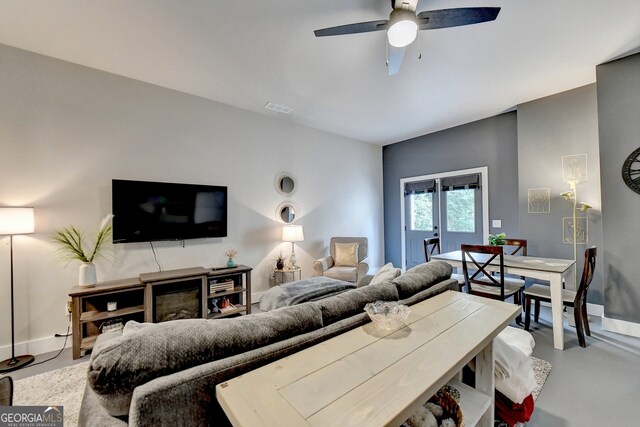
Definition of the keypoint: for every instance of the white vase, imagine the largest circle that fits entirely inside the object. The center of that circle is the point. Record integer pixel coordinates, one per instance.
(87, 276)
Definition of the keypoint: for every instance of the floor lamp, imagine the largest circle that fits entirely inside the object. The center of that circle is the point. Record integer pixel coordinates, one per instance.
(15, 221)
(572, 196)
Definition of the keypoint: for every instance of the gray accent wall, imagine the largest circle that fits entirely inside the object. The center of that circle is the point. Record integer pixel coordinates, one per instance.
(619, 124)
(489, 142)
(549, 128)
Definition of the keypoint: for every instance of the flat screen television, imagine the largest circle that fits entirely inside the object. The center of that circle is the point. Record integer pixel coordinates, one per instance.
(151, 211)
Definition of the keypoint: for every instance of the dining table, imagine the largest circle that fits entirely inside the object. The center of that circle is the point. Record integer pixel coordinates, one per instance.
(554, 270)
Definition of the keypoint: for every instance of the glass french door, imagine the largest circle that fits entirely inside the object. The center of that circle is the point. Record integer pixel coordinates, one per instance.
(422, 221)
(461, 218)
(449, 208)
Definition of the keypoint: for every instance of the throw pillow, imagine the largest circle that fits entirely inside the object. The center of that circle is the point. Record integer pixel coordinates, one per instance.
(346, 254)
(385, 274)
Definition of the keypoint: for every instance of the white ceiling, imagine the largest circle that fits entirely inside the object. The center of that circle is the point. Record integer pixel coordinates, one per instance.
(248, 53)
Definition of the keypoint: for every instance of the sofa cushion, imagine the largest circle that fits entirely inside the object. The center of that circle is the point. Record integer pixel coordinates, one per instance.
(352, 302)
(422, 277)
(386, 274)
(147, 351)
(446, 285)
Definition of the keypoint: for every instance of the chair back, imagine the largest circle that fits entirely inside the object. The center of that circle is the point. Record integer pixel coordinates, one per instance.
(587, 276)
(431, 247)
(520, 245)
(470, 256)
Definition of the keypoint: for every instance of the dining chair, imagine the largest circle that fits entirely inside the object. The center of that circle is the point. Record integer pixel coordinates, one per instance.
(577, 300)
(432, 247)
(481, 282)
(520, 245)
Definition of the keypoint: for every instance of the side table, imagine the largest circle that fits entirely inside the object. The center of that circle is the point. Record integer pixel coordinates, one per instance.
(287, 275)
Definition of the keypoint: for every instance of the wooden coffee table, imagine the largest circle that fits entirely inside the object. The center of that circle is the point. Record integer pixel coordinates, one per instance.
(368, 377)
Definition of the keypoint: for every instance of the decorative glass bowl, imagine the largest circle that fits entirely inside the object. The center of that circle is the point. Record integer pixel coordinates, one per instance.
(387, 315)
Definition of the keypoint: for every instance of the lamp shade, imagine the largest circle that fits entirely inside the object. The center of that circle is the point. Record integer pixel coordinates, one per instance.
(16, 221)
(292, 233)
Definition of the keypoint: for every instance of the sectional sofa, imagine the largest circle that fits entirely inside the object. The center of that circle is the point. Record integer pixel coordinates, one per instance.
(165, 374)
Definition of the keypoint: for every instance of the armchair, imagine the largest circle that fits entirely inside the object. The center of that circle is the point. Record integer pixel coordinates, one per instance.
(344, 261)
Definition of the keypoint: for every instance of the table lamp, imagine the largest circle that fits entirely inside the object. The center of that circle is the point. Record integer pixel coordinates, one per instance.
(292, 233)
(15, 221)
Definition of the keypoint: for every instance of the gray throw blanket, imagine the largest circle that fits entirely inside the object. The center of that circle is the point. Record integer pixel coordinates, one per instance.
(300, 291)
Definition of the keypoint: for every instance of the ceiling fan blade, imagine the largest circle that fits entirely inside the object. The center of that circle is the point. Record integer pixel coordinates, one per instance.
(445, 18)
(360, 27)
(394, 59)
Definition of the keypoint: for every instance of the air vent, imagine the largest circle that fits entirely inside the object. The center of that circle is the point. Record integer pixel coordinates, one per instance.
(278, 108)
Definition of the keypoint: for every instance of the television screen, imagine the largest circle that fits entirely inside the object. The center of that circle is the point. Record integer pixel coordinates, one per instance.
(148, 211)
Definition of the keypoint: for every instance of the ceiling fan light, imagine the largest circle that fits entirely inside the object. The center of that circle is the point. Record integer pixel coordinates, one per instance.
(403, 28)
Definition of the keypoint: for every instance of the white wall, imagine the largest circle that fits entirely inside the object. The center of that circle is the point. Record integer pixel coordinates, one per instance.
(66, 131)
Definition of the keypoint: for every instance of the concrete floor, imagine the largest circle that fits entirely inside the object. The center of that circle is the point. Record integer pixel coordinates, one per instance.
(594, 386)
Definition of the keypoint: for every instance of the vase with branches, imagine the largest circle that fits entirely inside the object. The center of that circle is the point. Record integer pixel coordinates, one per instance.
(231, 253)
(72, 246)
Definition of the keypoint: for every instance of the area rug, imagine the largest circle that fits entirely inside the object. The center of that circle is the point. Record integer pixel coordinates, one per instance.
(62, 387)
(541, 369)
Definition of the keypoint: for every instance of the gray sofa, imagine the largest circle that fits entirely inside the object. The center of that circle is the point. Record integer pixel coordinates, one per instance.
(165, 374)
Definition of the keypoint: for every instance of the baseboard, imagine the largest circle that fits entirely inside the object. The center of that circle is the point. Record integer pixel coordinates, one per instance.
(592, 309)
(35, 347)
(621, 327)
(256, 297)
(595, 309)
(612, 325)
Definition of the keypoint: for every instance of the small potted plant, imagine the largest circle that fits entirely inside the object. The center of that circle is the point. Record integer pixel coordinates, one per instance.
(497, 239)
(231, 253)
(72, 246)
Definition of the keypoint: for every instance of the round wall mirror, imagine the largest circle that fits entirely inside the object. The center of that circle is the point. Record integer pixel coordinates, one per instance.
(285, 183)
(287, 213)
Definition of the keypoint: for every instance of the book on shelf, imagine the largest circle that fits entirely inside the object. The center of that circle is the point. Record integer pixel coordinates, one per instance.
(220, 285)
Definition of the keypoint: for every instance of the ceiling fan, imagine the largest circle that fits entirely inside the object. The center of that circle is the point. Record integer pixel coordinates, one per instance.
(403, 25)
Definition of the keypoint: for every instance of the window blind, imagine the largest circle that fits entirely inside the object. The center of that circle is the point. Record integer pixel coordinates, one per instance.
(428, 186)
(462, 182)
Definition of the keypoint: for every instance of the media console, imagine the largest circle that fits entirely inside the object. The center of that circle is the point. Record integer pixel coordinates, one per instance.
(157, 297)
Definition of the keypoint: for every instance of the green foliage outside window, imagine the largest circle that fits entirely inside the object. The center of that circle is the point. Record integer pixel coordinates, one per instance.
(422, 212)
(461, 211)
